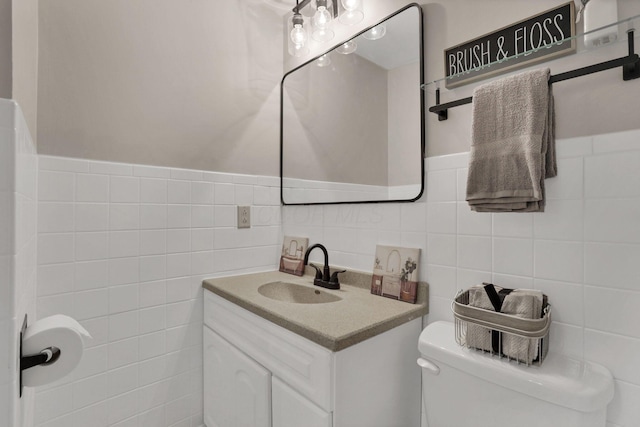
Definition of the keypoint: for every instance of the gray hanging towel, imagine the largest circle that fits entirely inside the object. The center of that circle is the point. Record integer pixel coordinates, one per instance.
(513, 144)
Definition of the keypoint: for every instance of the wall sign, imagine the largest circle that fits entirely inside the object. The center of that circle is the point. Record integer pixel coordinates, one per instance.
(486, 55)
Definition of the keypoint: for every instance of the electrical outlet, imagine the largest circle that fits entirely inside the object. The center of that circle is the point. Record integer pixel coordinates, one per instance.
(244, 216)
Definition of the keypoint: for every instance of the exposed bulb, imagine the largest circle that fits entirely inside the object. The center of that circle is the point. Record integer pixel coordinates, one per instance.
(347, 47)
(376, 32)
(298, 35)
(322, 31)
(323, 61)
(322, 17)
(352, 12)
(350, 5)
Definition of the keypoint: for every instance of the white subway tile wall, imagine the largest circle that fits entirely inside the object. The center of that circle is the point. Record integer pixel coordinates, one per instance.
(583, 252)
(7, 309)
(18, 224)
(123, 249)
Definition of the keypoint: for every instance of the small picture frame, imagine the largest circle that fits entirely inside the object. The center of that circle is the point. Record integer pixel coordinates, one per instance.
(292, 256)
(395, 273)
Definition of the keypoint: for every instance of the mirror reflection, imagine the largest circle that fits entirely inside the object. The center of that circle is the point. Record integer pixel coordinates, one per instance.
(352, 120)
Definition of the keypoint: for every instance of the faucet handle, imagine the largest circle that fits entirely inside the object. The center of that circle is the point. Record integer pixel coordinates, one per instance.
(334, 276)
(318, 272)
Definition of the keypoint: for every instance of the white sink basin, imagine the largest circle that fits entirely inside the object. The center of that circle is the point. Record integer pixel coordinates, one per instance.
(299, 294)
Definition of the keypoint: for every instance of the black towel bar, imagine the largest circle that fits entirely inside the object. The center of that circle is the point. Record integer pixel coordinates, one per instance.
(630, 71)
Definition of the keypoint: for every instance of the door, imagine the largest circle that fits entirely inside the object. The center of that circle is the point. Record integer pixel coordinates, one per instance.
(291, 409)
(237, 390)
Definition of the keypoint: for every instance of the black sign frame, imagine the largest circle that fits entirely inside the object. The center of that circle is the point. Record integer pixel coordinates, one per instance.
(545, 36)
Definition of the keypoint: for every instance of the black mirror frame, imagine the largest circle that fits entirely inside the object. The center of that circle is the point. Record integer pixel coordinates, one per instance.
(422, 116)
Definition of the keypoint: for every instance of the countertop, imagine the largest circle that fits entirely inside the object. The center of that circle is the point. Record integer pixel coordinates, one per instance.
(336, 325)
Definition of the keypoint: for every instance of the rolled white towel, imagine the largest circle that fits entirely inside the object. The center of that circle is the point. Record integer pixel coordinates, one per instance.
(479, 336)
(525, 303)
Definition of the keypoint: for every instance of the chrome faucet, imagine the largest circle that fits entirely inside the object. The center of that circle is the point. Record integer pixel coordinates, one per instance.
(324, 279)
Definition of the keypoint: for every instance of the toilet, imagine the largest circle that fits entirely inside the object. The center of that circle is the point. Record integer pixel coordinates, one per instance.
(464, 387)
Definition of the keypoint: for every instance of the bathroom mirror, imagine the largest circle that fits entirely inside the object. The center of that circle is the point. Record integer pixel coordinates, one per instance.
(352, 119)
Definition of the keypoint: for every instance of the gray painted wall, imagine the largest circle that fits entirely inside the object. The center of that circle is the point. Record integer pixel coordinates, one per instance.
(25, 60)
(183, 84)
(404, 125)
(196, 84)
(339, 141)
(595, 104)
(19, 56)
(5, 49)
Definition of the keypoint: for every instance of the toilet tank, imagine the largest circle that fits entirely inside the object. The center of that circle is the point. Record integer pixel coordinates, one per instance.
(468, 388)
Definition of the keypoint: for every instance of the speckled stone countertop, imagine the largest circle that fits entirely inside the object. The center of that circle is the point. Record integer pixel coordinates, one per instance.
(336, 325)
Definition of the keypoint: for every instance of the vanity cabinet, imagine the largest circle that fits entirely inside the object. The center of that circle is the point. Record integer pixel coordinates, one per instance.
(237, 389)
(290, 409)
(257, 373)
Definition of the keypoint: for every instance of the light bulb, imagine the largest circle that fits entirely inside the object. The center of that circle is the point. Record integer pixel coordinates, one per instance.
(352, 12)
(376, 32)
(322, 17)
(350, 4)
(323, 61)
(347, 47)
(298, 35)
(322, 31)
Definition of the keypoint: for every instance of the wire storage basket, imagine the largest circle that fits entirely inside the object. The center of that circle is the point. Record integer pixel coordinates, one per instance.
(503, 335)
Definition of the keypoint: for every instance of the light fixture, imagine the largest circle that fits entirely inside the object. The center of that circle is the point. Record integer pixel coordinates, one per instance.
(376, 32)
(347, 47)
(298, 33)
(352, 12)
(323, 61)
(297, 42)
(322, 19)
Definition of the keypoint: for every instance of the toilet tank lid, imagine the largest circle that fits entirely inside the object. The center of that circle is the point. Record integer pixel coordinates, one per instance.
(574, 384)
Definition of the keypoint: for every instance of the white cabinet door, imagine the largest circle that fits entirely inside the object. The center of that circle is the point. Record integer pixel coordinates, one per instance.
(290, 409)
(237, 390)
(302, 364)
